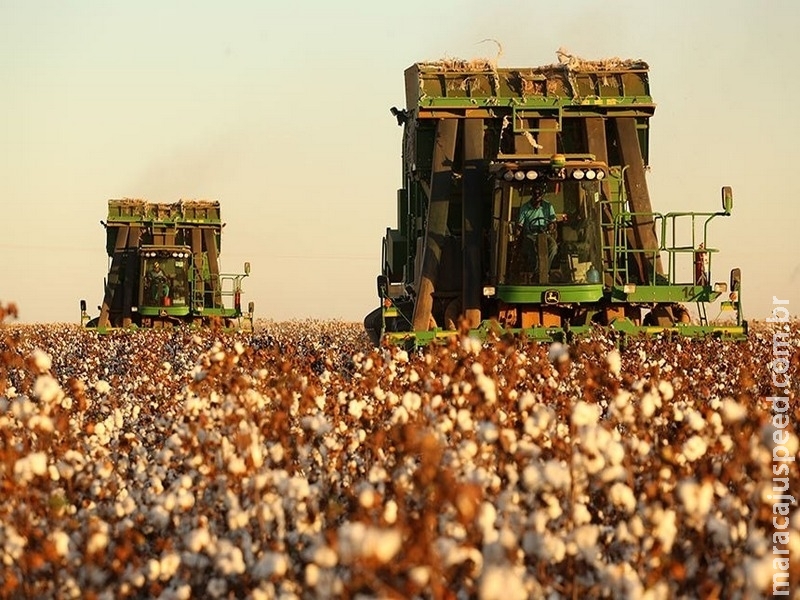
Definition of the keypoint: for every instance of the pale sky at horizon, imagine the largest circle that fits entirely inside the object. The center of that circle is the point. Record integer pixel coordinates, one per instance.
(281, 112)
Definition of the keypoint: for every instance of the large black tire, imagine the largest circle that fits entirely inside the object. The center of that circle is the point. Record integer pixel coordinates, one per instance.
(373, 324)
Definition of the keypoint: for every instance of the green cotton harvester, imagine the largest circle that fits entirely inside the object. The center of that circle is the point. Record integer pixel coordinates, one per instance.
(478, 141)
(164, 269)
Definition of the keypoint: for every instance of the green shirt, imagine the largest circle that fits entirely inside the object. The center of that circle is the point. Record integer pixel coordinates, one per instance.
(535, 219)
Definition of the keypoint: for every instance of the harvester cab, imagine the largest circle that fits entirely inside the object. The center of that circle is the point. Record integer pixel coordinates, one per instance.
(164, 269)
(525, 209)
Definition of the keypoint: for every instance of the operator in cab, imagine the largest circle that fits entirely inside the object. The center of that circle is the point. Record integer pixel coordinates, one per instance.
(537, 217)
(158, 284)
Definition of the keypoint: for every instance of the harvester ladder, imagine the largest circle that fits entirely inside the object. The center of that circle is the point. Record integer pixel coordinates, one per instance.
(701, 313)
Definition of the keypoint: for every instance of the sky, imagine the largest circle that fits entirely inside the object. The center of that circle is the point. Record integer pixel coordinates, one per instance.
(281, 112)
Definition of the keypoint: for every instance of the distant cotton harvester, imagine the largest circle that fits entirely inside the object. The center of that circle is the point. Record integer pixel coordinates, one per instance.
(164, 269)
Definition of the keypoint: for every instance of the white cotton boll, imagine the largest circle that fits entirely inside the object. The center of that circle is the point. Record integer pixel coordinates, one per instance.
(488, 432)
(412, 401)
(60, 542)
(30, 466)
(325, 557)
(614, 360)
(526, 401)
(719, 530)
(390, 512)
(355, 409)
(229, 559)
(665, 529)
(102, 387)
(666, 390)
(311, 575)
(367, 498)
(269, 565)
(237, 519)
(732, 411)
(169, 564)
(557, 352)
(648, 405)
(694, 448)
(556, 473)
(197, 539)
(152, 569)
(695, 420)
(276, 453)
(98, 541)
(41, 422)
(501, 583)
(553, 510)
(237, 466)
(531, 478)
(585, 414)
(488, 388)
(357, 540)
(759, 573)
(622, 399)
(585, 539)
(615, 453)
(468, 450)
(41, 360)
(47, 390)
(486, 520)
(400, 416)
(622, 497)
(471, 344)
(216, 587)
(581, 514)
(421, 576)
(464, 419)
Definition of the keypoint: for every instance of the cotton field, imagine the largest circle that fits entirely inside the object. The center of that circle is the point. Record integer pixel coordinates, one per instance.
(299, 462)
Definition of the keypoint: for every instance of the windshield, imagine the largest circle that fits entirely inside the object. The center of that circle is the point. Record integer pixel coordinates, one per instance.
(547, 232)
(165, 280)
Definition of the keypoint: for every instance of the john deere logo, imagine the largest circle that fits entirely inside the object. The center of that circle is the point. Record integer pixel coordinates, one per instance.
(551, 297)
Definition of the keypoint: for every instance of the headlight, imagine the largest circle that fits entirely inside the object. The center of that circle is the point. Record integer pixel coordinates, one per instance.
(577, 174)
(590, 174)
(489, 291)
(629, 288)
(519, 175)
(601, 174)
(721, 287)
(531, 175)
(508, 175)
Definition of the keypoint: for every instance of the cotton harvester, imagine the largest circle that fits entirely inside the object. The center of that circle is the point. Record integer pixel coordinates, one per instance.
(478, 142)
(164, 269)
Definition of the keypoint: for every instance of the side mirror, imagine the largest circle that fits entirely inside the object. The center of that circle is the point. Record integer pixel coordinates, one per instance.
(383, 286)
(247, 268)
(727, 199)
(83, 306)
(251, 307)
(736, 279)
